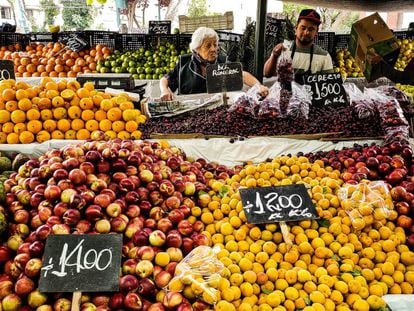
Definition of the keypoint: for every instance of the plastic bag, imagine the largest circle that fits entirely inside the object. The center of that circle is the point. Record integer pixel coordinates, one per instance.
(269, 108)
(201, 270)
(247, 103)
(299, 103)
(361, 104)
(400, 96)
(366, 203)
(284, 66)
(389, 109)
(399, 133)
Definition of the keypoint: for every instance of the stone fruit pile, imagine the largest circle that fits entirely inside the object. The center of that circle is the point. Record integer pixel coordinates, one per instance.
(54, 60)
(63, 110)
(406, 53)
(347, 65)
(166, 204)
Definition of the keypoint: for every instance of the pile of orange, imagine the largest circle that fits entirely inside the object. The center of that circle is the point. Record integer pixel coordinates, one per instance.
(53, 60)
(64, 110)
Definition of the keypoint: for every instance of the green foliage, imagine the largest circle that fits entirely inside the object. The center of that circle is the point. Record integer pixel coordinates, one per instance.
(197, 8)
(77, 15)
(51, 11)
(292, 10)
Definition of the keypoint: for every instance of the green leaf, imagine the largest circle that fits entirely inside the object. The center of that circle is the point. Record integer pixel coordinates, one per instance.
(223, 191)
(267, 291)
(324, 190)
(322, 222)
(336, 258)
(355, 272)
(202, 192)
(307, 301)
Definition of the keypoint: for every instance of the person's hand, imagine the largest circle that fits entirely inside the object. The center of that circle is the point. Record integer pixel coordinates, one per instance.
(277, 50)
(167, 96)
(263, 90)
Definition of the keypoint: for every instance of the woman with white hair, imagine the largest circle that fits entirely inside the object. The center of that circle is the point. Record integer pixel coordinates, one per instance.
(189, 75)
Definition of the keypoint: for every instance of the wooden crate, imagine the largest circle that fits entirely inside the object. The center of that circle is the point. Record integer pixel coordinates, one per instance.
(218, 22)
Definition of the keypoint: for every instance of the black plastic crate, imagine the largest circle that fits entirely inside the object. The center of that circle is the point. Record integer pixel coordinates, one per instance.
(326, 40)
(404, 34)
(107, 38)
(131, 41)
(7, 38)
(229, 36)
(66, 35)
(43, 37)
(342, 41)
(155, 40)
(184, 41)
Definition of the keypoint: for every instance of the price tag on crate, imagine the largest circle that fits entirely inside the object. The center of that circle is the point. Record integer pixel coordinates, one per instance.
(76, 43)
(277, 204)
(327, 89)
(6, 70)
(225, 77)
(74, 263)
(159, 27)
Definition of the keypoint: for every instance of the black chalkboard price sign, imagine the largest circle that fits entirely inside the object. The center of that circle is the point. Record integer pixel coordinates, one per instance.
(225, 77)
(277, 204)
(75, 43)
(6, 70)
(159, 27)
(327, 89)
(74, 263)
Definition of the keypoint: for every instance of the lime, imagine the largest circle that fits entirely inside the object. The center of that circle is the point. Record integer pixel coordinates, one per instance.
(104, 70)
(142, 76)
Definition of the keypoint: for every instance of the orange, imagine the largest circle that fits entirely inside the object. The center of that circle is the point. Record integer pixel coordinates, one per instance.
(33, 114)
(44, 103)
(8, 94)
(67, 94)
(86, 103)
(110, 134)
(11, 105)
(8, 127)
(31, 93)
(126, 105)
(100, 115)
(73, 85)
(118, 126)
(4, 116)
(74, 112)
(45, 80)
(24, 103)
(18, 116)
(97, 99)
(71, 134)
(124, 135)
(114, 114)
(51, 85)
(89, 86)
(77, 124)
(82, 92)
(92, 125)
(83, 134)
(46, 114)
(63, 125)
(136, 135)
(20, 94)
(19, 127)
(26, 137)
(88, 115)
(105, 125)
(58, 135)
(3, 138)
(20, 85)
(59, 113)
(42, 136)
(106, 104)
(62, 85)
(129, 114)
(58, 101)
(131, 126)
(34, 126)
(75, 101)
(13, 138)
(51, 94)
(49, 125)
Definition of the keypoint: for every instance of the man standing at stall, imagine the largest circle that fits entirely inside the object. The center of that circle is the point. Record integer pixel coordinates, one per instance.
(308, 58)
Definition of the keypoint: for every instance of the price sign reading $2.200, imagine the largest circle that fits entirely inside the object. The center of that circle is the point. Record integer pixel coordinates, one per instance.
(275, 204)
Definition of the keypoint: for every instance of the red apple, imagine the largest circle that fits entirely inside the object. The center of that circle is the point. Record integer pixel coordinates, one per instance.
(113, 209)
(146, 253)
(129, 266)
(133, 302)
(52, 192)
(62, 304)
(24, 286)
(144, 268)
(32, 268)
(103, 226)
(11, 302)
(6, 288)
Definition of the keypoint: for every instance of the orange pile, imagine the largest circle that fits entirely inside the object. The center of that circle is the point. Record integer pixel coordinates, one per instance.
(54, 60)
(64, 110)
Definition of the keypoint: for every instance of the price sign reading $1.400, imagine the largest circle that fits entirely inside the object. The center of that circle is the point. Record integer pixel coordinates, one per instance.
(275, 204)
(88, 263)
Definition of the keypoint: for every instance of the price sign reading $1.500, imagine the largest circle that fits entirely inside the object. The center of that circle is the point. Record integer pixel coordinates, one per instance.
(88, 263)
(274, 204)
(327, 89)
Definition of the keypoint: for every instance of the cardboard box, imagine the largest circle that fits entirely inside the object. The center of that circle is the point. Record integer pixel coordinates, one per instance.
(369, 33)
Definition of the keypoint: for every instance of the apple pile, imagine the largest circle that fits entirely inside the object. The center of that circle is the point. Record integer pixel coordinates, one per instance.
(146, 191)
(392, 163)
